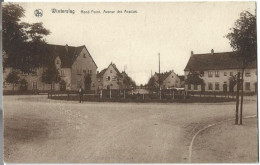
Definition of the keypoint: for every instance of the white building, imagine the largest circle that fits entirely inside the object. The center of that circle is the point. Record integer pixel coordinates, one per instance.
(73, 64)
(110, 78)
(168, 80)
(216, 69)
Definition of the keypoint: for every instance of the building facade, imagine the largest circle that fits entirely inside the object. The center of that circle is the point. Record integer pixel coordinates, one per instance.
(110, 78)
(218, 70)
(168, 80)
(72, 63)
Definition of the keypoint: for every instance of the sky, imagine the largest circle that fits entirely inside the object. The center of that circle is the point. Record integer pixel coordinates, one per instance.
(173, 29)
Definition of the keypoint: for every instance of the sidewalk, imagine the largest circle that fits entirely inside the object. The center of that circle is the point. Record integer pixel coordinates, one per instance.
(227, 143)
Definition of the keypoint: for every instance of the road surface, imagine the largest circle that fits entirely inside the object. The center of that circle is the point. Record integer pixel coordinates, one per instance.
(38, 130)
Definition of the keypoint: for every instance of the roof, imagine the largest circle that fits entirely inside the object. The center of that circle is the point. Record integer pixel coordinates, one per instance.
(100, 75)
(215, 61)
(67, 54)
(164, 75)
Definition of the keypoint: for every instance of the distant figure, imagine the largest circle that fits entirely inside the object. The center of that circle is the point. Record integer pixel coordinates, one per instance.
(80, 94)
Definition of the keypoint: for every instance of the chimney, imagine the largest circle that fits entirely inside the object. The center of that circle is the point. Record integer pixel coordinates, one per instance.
(191, 53)
(212, 51)
(67, 47)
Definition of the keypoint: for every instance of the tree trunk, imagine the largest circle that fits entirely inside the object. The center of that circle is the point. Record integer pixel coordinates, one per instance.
(13, 87)
(237, 96)
(242, 95)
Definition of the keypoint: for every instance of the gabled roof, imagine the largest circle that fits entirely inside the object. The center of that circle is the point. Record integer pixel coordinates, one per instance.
(100, 75)
(67, 54)
(215, 61)
(164, 75)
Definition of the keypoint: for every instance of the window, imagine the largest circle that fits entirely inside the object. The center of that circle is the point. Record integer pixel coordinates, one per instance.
(231, 73)
(108, 78)
(210, 86)
(34, 85)
(110, 71)
(216, 74)
(210, 74)
(25, 73)
(247, 86)
(90, 71)
(34, 71)
(189, 86)
(225, 73)
(216, 86)
(247, 73)
(195, 87)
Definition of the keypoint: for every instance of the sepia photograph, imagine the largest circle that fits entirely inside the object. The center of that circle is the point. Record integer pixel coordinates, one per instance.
(130, 82)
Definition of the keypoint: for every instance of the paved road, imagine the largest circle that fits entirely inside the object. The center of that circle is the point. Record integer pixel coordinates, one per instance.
(40, 130)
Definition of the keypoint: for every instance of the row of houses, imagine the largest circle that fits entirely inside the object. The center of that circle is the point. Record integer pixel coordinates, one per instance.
(73, 65)
(218, 70)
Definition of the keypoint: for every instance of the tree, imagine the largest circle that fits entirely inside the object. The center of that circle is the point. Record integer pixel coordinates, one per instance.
(232, 83)
(23, 85)
(152, 84)
(51, 75)
(243, 40)
(194, 78)
(13, 78)
(128, 82)
(87, 82)
(23, 43)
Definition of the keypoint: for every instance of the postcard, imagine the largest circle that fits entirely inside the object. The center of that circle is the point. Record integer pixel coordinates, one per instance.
(129, 82)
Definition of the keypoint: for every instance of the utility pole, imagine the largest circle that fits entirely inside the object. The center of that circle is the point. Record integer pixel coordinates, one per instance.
(160, 78)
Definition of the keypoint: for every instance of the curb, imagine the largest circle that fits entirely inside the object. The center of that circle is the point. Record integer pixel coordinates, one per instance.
(206, 127)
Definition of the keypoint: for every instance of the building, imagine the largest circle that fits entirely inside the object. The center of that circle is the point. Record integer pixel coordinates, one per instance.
(73, 64)
(217, 71)
(168, 80)
(110, 78)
